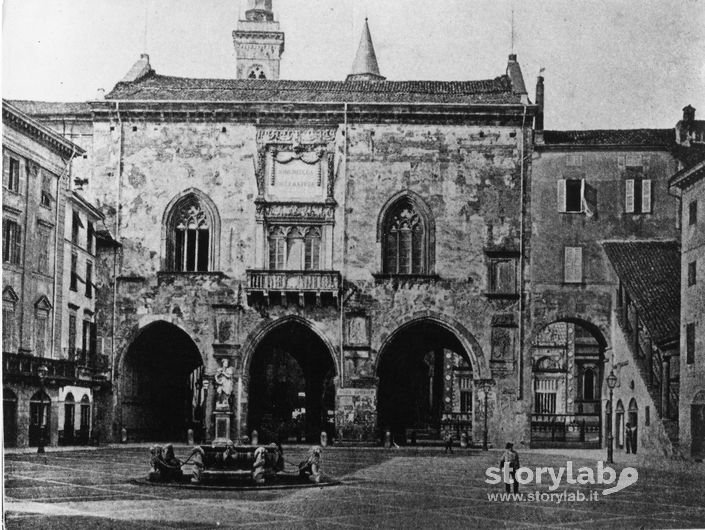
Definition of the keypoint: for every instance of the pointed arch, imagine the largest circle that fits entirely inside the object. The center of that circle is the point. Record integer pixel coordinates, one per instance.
(191, 233)
(406, 230)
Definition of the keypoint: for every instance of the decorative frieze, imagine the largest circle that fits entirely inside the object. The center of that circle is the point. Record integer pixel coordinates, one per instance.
(291, 211)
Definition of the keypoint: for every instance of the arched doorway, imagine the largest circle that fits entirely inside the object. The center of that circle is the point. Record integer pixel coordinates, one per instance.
(39, 409)
(69, 419)
(567, 371)
(291, 387)
(425, 383)
(619, 424)
(9, 411)
(697, 425)
(157, 384)
(85, 425)
(633, 421)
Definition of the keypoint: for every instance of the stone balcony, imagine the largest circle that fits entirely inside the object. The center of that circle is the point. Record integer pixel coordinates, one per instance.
(278, 286)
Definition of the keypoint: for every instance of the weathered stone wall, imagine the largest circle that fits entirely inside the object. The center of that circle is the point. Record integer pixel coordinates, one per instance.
(470, 179)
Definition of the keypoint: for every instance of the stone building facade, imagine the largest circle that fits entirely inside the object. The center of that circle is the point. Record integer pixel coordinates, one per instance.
(688, 184)
(36, 167)
(590, 188)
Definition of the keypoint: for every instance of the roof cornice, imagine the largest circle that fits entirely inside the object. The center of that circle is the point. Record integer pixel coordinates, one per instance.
(23, 123)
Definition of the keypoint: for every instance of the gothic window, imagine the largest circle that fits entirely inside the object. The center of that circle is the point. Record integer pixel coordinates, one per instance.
(294, 248)
(406, 241)
(191, 235)
(256, 72)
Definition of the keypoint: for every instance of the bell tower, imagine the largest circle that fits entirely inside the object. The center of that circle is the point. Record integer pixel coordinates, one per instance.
(258, 42)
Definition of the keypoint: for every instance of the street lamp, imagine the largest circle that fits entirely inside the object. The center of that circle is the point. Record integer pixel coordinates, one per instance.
(611, 383)
(42, 372)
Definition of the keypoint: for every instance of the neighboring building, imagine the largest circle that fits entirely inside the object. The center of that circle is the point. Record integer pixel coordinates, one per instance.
(688, 185)
(36, 167)
(79, 330)
(586, 187)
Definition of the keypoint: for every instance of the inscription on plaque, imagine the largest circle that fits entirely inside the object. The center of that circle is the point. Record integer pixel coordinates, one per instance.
(296, 178)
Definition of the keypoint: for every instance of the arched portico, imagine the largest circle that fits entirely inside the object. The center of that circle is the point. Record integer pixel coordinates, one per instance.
(288, 373)
(427, 369)
(567, 372)
(158, 397)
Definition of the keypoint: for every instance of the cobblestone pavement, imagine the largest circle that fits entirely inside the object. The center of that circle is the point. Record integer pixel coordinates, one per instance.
(403, 488)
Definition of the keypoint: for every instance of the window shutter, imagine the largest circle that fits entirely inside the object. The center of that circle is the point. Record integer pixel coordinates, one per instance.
(621, 161)
(18, 245)
(629, 196)
(573, 265)
(561, 196)
(646, 196)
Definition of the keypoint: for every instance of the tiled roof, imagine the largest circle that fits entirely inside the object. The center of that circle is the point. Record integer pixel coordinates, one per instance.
(650, 272)
(46, 108)
(155, 87)
(656, 137)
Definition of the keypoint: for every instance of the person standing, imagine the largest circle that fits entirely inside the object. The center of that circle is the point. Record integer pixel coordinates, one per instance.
(509, 465)
(628, 437)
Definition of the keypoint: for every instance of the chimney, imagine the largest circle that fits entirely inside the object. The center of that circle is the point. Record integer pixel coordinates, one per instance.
(100, 94)
(539, 102)
(688, 114)
(685, 127)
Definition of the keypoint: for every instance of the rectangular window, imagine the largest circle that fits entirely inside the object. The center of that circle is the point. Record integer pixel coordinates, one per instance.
(545, 396)
(313, 253)
(692, 273)
(503, 276)
(573, 265)
(43, 247)
(12, 242)
(13, 179)
(40, 334)
(465, 385)
(637, 197)
(89, 279)
(72, 337)
(647, 416)
(570, 195)
(693, 212)
(690, 343)
(47, 196)
(76, 226)
(90, 237)
(276, 253)
(85, 341)
(8, 327)
(74, 274)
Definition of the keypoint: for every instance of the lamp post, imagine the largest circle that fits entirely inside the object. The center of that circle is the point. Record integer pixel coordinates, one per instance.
(42, 372)
(611, 383)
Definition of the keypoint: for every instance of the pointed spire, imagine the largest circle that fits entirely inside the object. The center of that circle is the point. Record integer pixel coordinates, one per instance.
(365, 67)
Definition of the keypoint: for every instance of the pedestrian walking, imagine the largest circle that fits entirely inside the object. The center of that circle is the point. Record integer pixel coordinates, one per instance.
(510, 458)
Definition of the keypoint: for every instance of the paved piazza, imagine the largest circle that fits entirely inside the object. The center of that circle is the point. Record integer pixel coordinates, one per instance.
(402, 488)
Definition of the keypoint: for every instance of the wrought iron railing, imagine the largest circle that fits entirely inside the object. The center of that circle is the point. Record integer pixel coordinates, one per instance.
(296, 281)
(566, 428)
(15, 364)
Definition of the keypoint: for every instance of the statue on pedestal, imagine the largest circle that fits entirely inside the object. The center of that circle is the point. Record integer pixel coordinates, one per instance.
(224, 385)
